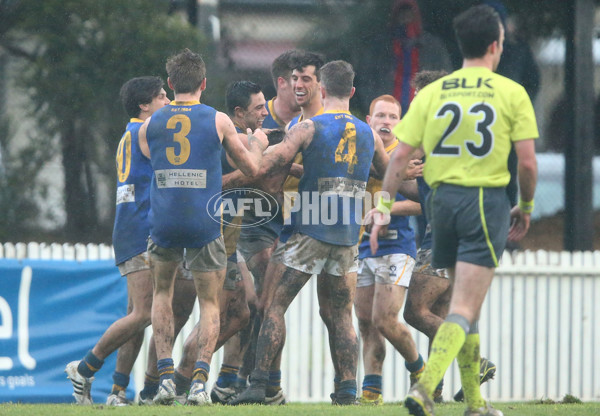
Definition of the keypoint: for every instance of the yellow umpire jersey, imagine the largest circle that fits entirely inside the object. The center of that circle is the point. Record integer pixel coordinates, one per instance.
(466, 122)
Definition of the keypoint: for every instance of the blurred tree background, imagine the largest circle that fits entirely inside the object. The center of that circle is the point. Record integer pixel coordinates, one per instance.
(73, 55)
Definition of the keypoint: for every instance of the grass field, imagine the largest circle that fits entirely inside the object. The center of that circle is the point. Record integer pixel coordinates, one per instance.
(395, 409)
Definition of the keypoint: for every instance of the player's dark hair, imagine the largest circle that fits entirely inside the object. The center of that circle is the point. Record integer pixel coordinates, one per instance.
(239, 94)
(186, 71)
(283, 65)
(337, 78)
(305, 58)
(138, 91)
(275, 136)
(476, 29)
(424, 78)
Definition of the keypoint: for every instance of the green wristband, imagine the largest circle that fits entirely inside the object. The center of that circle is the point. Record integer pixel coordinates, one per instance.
(526, 207)
(384, 206)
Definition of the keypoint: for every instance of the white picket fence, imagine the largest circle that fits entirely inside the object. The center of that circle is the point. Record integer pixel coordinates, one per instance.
(540, 324)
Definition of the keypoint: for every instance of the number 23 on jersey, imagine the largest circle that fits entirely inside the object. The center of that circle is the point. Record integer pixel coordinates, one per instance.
(477, 146)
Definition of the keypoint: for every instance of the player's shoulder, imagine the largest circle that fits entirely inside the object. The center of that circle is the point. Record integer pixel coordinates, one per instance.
(503, 83)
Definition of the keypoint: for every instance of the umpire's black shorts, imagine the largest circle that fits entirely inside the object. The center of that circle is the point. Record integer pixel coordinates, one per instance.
(468, 224)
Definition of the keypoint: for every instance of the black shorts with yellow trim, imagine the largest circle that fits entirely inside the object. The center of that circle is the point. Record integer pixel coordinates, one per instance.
(469, 224)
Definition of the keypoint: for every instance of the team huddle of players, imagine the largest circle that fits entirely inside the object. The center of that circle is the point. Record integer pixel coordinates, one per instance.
(181, 163)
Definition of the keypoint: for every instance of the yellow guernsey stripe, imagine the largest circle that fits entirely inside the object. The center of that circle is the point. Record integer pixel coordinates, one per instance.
(271, 105)
(337, 112)
(194, 102)
(484, 225)
(392, 146)
(321, 111)
(403, 270)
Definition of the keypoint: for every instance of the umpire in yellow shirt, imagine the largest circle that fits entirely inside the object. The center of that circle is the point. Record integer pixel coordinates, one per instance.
(466, 123)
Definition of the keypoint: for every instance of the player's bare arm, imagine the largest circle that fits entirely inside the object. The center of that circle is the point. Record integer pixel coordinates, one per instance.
(527, 168)
(297, 170)
(396, 172)
(237, 179)
(394, 176)
(276, 162)
(380, 158)
(143, 141)
(280, 156)
(244, 139)
(406, 208)
(410, 190)
(248, 160)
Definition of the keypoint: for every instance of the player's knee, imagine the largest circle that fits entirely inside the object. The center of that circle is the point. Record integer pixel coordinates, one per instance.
(383, 322)
(243, 314)
(414, 313)
(410, 315)
(365, 326)
(142, 317)
(325, 313)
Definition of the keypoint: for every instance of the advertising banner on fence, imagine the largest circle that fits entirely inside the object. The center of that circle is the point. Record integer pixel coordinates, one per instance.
(53, 312)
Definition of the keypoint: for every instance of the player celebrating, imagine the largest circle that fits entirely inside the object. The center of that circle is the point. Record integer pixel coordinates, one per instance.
(384, 277)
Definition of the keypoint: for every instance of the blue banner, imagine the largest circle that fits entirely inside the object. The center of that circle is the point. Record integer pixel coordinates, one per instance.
(53, 312)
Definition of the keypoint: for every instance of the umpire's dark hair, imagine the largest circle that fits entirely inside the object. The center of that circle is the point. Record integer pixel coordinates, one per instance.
(476, 29)
(138, 91)
(337, 78)
(306, 58)
(239, 95)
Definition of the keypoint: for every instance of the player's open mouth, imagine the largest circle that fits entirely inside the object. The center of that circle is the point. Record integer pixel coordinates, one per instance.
(385, 130)
(300, 94)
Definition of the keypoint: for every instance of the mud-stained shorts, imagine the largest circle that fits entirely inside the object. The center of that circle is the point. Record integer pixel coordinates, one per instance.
(312, 256)
(391, 269)
(248, 247)
(424, 266)
(134, 264)
(211, 257)
(142, 262)
(183, 273)
(232, 275)
(240, 258)
(277, 255)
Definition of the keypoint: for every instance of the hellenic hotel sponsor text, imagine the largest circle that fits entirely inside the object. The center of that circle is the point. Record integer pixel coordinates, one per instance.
(181, 178)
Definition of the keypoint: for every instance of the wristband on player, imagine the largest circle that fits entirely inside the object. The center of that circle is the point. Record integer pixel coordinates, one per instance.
(526, 207)
(384, 206)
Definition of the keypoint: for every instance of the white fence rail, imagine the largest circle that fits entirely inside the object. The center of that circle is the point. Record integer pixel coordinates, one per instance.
(540, 324)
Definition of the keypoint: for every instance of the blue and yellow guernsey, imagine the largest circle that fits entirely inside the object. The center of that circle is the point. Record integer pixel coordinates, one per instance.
(271, 121)
(134, 174)
(400, 237)
(337, 163)
(231, 224)
(466, 122)
(290, 186)
(249, 218)
(185, 151)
